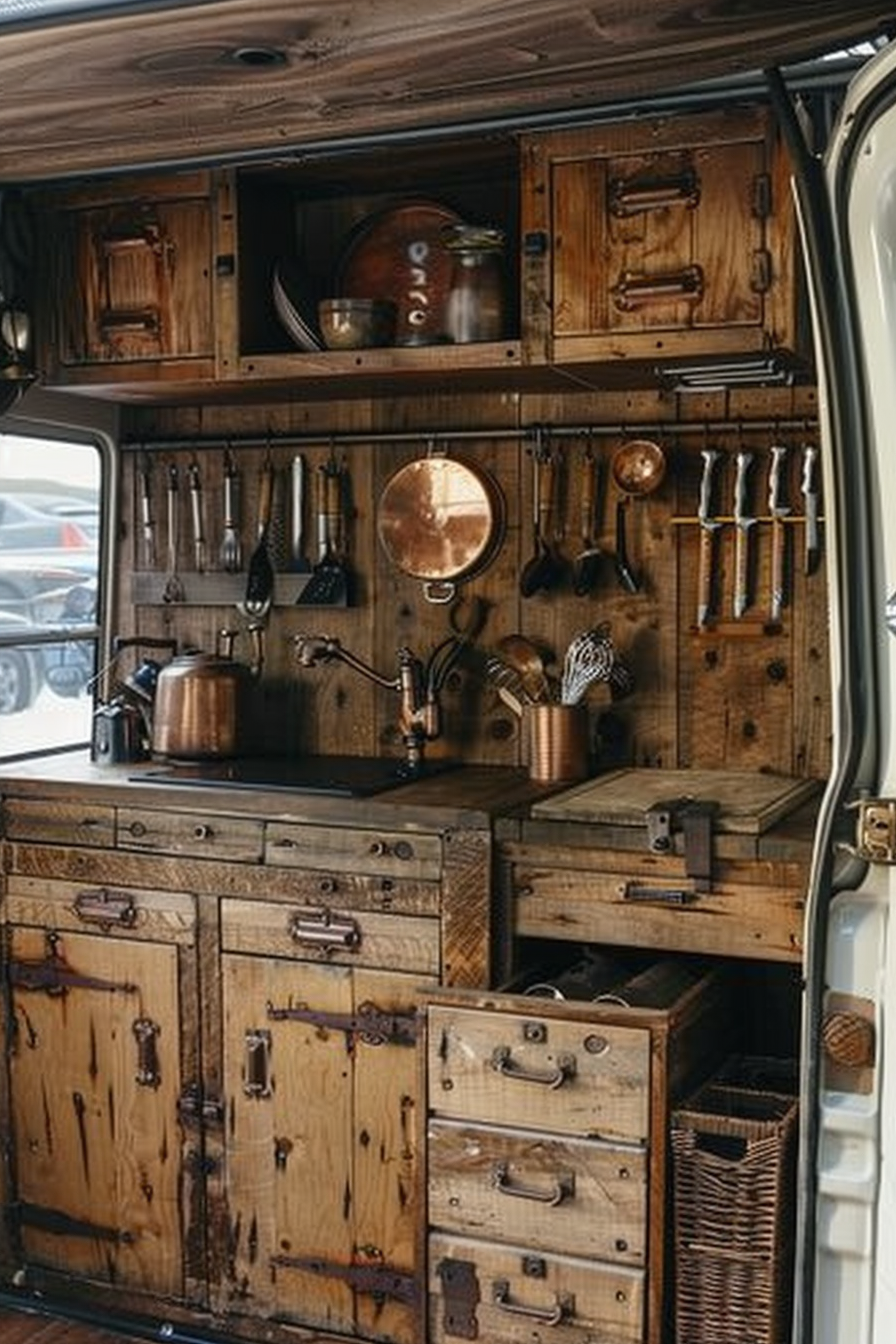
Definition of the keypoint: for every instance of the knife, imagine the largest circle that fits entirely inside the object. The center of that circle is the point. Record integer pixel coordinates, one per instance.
(708, 528)
(809, 491)
(778, 511)
(743, 523)
(146, 518)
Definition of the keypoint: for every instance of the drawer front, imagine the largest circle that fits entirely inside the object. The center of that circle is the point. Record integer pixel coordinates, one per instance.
(357, 891)
(507, 1295)
(348, 850)
(585, 1078)
(191, 833)
(566, 1195)
(57, 823)
(331, 934)
(153, 916)
(581, 905)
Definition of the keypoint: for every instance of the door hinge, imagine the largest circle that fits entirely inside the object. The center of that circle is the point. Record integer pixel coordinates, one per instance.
(375, 1280)
(875, 840)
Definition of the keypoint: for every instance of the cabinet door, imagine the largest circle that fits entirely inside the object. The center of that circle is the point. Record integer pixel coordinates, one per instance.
(666, 239)
(321, 1146)
(94, 1076)
(141, 282)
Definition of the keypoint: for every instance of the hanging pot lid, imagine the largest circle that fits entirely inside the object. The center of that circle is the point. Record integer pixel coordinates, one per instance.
(439, 520)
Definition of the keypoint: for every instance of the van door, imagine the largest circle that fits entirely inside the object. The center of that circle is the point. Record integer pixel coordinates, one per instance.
(847, 1250)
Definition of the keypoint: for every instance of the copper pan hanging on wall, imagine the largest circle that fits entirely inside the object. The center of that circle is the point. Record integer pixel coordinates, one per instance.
(440, 520)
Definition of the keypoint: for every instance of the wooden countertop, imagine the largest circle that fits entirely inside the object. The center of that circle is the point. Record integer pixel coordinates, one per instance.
(476, 796)
(467, 796)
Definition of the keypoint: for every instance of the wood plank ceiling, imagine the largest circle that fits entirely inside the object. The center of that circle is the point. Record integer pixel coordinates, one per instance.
(238, 77)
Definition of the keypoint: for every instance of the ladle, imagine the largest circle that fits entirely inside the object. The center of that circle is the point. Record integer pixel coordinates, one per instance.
(587, 562)
(638, 467)
(543, 568)
(523, 656)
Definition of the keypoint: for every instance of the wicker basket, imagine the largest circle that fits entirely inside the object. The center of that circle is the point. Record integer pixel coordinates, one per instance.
(734, 1169)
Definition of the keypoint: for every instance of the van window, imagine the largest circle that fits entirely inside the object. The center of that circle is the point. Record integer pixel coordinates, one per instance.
(50, 492)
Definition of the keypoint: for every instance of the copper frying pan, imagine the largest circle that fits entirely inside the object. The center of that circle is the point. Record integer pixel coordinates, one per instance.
(440, 519)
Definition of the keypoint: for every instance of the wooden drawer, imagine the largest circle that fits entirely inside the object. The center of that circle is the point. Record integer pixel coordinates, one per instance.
(356, 891)
(540, 1072)
(507, 1295)
(644, 907)
(344, 849)
(331, 934)
(191, 833)
(57, 823)
(156, 916)
(553, 1194)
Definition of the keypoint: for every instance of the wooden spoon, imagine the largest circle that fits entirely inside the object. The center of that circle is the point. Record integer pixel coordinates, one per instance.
(522, 655)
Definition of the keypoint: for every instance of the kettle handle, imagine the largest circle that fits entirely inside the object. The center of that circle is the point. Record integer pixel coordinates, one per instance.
(120, 642)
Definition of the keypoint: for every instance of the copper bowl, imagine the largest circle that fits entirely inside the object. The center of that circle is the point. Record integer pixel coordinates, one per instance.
(356, 324)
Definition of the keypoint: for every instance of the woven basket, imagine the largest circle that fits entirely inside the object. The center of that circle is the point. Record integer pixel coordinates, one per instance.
(734, 1169)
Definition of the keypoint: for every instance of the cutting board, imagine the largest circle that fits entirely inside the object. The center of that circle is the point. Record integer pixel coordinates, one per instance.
(749, 802)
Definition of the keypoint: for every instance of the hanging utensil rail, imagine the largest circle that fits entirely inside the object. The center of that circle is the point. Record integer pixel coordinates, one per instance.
(629, 429)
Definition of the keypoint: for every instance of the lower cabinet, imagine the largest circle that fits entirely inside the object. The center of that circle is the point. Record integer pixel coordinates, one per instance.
(94, 1047)
(321, 1152)
(547, 1157)
(214, 1029)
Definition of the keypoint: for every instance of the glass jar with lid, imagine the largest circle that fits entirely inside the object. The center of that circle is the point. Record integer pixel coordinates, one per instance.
(474, 308)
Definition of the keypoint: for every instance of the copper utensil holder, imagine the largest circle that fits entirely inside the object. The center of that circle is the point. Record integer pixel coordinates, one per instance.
(558, 743)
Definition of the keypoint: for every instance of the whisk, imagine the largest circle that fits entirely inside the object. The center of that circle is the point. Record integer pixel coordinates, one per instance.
(589, 658)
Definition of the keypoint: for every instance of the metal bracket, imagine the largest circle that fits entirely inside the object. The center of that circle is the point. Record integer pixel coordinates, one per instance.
(694, 817)
(460, 1298)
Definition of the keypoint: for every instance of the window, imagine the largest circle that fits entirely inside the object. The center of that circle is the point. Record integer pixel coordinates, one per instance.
(50, 515)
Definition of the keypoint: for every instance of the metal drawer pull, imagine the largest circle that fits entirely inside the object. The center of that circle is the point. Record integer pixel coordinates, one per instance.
(148, 1072)
(631, 891)
(106, 908)
(563, 1308)
(634, 290)
(635, 195)
(502, 1062)
(321, 928)
(564, 1188)
(257, 1066)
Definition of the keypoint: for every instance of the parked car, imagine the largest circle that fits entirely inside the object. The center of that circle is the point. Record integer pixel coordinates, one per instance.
(42, 550)
(21, 669)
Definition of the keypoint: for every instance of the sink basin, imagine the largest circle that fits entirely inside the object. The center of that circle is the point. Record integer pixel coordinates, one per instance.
(336, 776)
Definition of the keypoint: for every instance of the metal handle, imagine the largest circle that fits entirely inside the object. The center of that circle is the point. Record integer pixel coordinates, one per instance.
(634, 196)
(631, 891)
(563, 1308)
(635, 290)
(106, 908)
(145, 1033)
(257, 1065)
(147, 321)
(322, 928)
(564, 1188)
(503, 1063)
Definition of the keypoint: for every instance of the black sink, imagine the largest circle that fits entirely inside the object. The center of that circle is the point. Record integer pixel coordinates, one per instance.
(336, 776)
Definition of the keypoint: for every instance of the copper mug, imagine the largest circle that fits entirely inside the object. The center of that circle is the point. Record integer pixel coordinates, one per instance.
(558, 743)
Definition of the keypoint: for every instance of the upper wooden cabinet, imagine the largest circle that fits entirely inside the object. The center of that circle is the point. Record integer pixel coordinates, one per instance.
(626, 246)
(661, 240)
(131, 294)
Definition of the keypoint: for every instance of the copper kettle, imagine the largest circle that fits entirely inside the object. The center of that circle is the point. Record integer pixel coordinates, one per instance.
(201, 704)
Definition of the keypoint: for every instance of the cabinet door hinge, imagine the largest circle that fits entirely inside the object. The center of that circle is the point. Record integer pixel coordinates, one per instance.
(875, 830)
(376, 1280)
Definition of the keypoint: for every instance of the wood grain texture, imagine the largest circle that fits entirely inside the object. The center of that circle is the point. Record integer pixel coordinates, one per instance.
(149, 87)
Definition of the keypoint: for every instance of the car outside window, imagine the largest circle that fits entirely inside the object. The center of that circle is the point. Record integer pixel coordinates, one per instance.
(50, 492)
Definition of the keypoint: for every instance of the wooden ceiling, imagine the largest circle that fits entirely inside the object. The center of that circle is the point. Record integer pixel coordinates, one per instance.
(227, 78)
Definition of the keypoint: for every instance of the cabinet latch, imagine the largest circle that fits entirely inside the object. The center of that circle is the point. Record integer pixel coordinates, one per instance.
(875, 830)
(368, 1023)
(694, 818)
(460, 1297)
